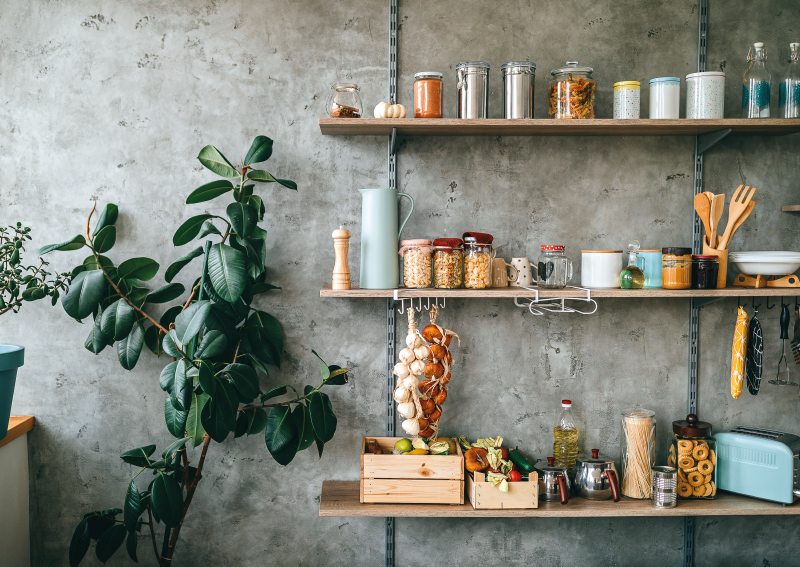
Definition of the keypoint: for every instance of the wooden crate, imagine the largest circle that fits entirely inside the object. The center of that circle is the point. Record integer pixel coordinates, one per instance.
(484, 496)
(410, 479)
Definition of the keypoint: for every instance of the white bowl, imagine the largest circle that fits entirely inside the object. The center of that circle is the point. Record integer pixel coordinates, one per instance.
(766, 266)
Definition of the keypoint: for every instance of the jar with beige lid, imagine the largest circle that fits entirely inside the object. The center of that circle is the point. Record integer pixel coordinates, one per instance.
(600, 268)
(416, 262)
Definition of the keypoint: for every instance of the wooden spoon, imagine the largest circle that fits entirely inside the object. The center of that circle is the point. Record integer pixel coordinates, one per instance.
(742, 218)
(717, 206)
(741, 198)
(703, 208)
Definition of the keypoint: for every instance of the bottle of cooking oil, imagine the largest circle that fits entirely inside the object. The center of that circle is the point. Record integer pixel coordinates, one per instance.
(565, 447)
(632, 277)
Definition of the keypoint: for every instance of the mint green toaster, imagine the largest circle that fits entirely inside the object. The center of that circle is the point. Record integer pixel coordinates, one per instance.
(761, 463)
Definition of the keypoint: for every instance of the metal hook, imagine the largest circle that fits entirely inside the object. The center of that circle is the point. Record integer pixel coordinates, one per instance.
(419, 309)
(755, 307)
(427, 304)
(768, 307)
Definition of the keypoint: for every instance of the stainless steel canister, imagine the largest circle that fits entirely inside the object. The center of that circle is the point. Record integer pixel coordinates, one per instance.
(665, 487)
(518, 80)
(473, 89)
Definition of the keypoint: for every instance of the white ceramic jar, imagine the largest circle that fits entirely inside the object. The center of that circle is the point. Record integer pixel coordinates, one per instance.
(665, 98)
(627, 100)
(705, 95)
(600, 268)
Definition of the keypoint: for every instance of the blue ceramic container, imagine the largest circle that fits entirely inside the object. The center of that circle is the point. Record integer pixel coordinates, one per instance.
(652, 267)
(11, 358)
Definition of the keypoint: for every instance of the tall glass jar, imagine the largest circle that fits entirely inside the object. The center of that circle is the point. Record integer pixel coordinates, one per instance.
(694, 453)
(572, 92)
(789, 99)
(757, 83)
(428, 95)
(477, 264)
(448, 263)
(344, 101)
(554, 270)
(416, 262)
(637, 452)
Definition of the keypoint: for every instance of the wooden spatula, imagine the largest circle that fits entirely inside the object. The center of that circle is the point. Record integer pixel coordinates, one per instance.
(703, 207)
(741, 198)
(717, 206)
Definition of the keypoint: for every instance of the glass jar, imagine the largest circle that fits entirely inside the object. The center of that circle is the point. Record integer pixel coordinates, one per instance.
(428, 95)
(704, 272)
(694, 453)
(789, 92)
(477, 264)
(448, 263)
(571, 92)
(637, 452)
(554, 270)
(344, 101)
(416, 262)
(676, 268)
(757, 82)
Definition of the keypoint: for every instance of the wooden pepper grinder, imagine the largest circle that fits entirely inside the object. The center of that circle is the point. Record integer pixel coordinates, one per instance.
(341, 271)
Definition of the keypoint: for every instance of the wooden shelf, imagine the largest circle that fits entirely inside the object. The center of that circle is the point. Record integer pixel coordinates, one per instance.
(791, 208)
(341, 499)
(511, 292)
(17, 427)
(547, 127)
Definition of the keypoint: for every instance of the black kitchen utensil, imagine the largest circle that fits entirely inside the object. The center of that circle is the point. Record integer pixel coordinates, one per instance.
(795, 344)
(783, 360)
(755, 355)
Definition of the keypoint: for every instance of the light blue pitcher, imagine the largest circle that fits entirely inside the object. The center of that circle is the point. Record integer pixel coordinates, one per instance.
(380, 238)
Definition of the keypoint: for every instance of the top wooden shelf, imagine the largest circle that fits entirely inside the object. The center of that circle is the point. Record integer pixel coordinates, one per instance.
(791, 208)
(547, 127)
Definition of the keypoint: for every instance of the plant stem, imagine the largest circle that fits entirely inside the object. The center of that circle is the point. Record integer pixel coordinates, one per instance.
(153, 535)
(188, 301)
(87, 221)
(125, 297)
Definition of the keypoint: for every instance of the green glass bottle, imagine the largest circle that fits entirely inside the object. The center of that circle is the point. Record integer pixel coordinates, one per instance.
(632, 277)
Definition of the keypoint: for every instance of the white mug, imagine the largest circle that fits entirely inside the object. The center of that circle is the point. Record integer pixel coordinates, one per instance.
(600, 269)
(524, 276)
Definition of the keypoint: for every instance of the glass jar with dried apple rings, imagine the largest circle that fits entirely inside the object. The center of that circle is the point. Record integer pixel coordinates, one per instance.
(448, 263)
(416, 262)
(694, 453)
(477, 264)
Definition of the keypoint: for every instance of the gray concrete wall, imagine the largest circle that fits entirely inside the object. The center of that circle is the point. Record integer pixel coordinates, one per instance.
(112, 101)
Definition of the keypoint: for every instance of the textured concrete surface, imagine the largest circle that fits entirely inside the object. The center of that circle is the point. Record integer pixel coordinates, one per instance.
(112, 101)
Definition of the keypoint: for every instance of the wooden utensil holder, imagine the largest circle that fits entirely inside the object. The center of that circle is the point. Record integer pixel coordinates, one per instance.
(722, 256)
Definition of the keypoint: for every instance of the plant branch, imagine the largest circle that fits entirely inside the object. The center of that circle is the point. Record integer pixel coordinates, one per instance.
(88, 219)
(131, 303)
(286, 403)
(153, 535)
(188, 301)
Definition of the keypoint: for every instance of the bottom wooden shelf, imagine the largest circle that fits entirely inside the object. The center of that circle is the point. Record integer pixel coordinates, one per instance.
(341, 498)
(791, 208)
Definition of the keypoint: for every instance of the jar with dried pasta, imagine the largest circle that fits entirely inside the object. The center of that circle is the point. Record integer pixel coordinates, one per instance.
(477, 264)
(694, 453)
(448, 263)
(416, 262)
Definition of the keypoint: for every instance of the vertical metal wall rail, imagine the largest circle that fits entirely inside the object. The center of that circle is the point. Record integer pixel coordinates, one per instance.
(694, 310)
(390, 312)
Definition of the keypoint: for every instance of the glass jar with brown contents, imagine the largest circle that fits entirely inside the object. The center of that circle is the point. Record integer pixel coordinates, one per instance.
(477, 264)
(571, 92)
(694, 453)
(448, 263)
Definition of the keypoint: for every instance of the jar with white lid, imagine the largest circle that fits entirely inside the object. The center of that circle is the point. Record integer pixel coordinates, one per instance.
(705, 95)
(757, 84)
(627, 100)
(665, 98)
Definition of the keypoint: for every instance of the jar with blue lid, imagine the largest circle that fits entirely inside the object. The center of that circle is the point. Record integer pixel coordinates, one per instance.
(665, 98)
(756, 84)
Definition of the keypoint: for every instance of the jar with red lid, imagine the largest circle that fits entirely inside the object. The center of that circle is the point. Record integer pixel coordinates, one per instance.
(704, 272)
(554, 269)
(428, 95)
(694, 453)
(448, 263)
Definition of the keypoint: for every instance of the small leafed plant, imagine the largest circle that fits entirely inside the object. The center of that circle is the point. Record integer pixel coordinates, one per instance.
(216, 340)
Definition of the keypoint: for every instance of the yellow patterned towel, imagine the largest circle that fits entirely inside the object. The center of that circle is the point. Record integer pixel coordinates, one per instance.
(738, 353)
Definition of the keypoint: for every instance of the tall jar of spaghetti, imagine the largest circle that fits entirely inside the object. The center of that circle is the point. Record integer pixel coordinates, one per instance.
(637, 452)
(694, 453)
(571, 92)
(428, 95)
(448, 263)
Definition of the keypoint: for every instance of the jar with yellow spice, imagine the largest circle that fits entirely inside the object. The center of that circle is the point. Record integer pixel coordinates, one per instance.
(477, 263)
(676, 268)
(694, 453)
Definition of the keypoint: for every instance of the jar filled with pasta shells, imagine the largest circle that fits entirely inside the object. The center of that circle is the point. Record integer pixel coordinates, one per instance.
(416, 262)
(694, 453)
(477, 264)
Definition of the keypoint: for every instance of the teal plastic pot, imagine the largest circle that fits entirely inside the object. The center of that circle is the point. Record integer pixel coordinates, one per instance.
(11, 358)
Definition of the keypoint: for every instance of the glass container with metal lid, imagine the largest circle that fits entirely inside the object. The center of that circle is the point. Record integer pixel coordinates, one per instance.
(572, 92)
(637, 452)
(344, 101)
(473, 89)
(518, 81)
(694, 453)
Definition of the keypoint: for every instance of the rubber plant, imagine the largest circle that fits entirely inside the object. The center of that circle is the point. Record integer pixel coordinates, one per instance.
(216, 341)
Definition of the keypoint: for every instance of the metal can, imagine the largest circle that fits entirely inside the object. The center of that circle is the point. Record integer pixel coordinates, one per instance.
(665, 487)
(473, 89)
(665, 98)
(705, 95)
(518, 81)
(626, 100)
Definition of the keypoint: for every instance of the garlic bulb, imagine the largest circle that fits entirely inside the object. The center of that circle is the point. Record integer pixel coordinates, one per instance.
(411, 426)
(407, 409)
(401, 370)
(411, 340)
(410, 382)
(422, 352)
(418, 342)
(407, 355)
(418, 367)
(402, 395)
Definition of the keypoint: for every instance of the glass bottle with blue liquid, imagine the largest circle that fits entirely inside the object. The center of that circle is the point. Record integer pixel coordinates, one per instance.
(756, 84)
(789, 100)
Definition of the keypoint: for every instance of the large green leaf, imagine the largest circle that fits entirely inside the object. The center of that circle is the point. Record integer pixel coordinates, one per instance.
(181, 393)
(191, 320)
(189, 230)
(213, 344)
(110, 542)
(167, 498)
(194, 426)
(179, 264)
(169, 453)
(244, 378)
(219, 415)
(338, 376)
(243, 218)
(167, 378)
(73, 244)
(208, 228)
(169, 316)
(227, 270)
(261, 175)
(139, 456)
(129, 348)
(262, 287)
(305, 430)
(172, 345)
(130, 546)
(96, 341)
(104, 240)
(281, 435)
(256, 421)
(218, 320)
(213, 159)
(323, 367)
(260, 150)
(84, 294)
(132, 508)
(138, 268)
(175, 419)
(165, 294)
(80, 543)
(106, 218)
(266, 337)
(137, 294)
(273, 393)
(206, 378)
(322, 417)
(152, 339)
(117, 321)
(209, 191)
(287, 183)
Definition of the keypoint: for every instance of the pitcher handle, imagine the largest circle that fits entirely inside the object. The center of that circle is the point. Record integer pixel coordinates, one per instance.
(409, 212)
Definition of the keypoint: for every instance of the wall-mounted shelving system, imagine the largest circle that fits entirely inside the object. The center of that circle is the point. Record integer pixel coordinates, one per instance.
(341, 498)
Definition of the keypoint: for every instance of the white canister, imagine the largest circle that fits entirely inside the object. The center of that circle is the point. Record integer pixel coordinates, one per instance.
(665, 98)
(600, 268)
(705, 95)
(626, 100)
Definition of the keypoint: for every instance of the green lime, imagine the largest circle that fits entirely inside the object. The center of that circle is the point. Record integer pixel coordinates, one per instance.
(404, 445)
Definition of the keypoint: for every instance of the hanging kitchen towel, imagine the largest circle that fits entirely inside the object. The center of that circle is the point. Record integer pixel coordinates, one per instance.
(480, 237)
(738, 353)
(755, 355)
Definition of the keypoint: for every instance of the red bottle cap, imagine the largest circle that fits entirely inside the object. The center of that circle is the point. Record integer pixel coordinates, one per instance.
(552, 248)
(566, 403)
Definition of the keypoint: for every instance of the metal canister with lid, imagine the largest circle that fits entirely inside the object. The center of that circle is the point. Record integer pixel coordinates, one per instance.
(518, 81)
(554, 483)
(627, 100)
(473, 89)
(665, 487)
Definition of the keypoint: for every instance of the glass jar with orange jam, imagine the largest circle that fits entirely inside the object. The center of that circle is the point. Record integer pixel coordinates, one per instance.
(428, 95)
(676, 268)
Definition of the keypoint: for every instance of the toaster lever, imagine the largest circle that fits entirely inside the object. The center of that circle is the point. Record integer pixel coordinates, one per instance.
(796, 492)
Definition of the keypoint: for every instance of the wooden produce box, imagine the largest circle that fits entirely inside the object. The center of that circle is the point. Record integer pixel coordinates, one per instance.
(410, 479)
(484, 496)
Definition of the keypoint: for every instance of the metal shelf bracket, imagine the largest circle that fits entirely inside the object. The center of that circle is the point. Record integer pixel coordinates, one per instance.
(698, 302)
(707, 141)
(393, 139)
